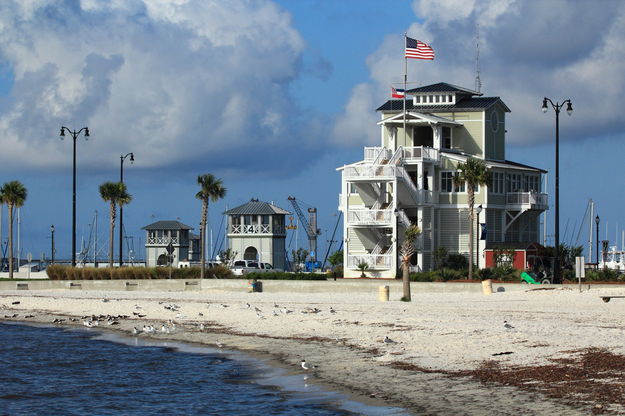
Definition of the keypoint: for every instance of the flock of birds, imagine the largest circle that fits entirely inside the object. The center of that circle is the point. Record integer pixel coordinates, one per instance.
(170, 327)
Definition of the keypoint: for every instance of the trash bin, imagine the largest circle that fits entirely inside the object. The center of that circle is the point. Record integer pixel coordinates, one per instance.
(383, 293)
(254, 286)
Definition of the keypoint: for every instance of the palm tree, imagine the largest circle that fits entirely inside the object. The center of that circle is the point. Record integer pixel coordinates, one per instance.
(472, 173)
(116, 194)
(406, 251)
(14, 195)
(213, 189)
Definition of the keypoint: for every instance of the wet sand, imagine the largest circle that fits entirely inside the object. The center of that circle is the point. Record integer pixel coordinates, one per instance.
(451, 352)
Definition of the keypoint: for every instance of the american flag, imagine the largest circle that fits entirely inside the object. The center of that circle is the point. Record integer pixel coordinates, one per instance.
(397, 93)
(418, 50)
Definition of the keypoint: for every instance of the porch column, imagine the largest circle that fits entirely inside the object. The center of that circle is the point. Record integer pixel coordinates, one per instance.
(438, 133)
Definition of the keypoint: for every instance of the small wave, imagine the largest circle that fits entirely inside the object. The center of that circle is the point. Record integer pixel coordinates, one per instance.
(15, 397)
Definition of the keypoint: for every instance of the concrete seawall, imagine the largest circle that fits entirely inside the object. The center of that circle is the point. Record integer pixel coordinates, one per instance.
(271, 286)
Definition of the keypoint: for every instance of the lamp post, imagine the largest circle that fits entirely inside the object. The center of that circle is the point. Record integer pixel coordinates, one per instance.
(52, 238)
(121, 206)
(74, 135)
(569, 110)
(478, 210)
(597, 243)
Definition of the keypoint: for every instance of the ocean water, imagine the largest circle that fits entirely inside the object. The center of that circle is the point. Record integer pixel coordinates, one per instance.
(59, 371)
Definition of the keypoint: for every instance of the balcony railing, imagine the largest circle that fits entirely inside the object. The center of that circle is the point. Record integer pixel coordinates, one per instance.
(374, 261)
(162, 240)
(371, 172)
(371, 153)
(252, 229)
(420, 153)
(533, 199)
(369, 216)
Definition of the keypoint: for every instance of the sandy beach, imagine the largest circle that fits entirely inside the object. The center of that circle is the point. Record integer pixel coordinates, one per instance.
(450, 352)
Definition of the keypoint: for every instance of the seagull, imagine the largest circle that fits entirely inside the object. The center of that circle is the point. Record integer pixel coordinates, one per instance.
(247, 306)
(506, 325)
(200, 314)
(259, 316)
(307, 366)
(257, 310)
(387, 340)
(274, 313)
(136, 331)
(201, 327)
(285, 310)
(332, 310)
(219, 344)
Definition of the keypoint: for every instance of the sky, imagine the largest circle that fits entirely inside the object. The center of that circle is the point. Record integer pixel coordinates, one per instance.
(273, 96)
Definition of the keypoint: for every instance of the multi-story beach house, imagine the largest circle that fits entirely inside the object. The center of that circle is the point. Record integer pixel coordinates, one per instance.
(409, 179)
(160, 234)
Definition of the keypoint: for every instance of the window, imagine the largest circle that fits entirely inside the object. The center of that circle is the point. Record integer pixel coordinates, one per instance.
(514, 182)
(497, 183)
(446, 137)
(532, 183)
(447, 182)
(418, 99)
(352, 188)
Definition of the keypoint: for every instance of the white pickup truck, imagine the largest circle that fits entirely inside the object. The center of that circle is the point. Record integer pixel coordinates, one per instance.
(241, 267)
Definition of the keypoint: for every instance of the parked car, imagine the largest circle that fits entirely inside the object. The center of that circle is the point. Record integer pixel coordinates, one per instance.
(241, 267)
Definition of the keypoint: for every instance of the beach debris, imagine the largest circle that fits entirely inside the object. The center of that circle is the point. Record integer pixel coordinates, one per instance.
(310, 310)
(306, 366)
(387, 340)
(502, 353)
(275, 305)
(507, 326)
(224, 305)
(17, 302)
(200, 314)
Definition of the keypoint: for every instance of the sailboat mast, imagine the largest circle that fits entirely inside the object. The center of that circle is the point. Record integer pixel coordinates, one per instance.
(590, 220)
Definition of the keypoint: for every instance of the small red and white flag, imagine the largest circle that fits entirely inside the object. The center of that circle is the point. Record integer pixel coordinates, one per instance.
(418, 50)
(397, 93)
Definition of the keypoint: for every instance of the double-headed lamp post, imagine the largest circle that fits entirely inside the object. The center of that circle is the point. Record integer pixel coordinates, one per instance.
(52, 238)
(569, 110)
(478, 210)
(597, 246)
(121, 207)
(74, 135)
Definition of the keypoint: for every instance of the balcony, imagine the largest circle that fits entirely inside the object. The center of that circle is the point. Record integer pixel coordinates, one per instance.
(162, 241)
(255, 229)
(370, 172)
(373, 217)
(375, 261)
(521, 201)
(420, 154)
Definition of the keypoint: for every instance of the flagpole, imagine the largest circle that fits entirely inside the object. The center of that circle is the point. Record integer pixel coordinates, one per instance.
(405, 82)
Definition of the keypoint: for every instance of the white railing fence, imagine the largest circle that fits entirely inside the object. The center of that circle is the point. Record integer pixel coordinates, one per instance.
(162, 240)
(369, 216)
(374, 261)
(533, 198)
(250, 229)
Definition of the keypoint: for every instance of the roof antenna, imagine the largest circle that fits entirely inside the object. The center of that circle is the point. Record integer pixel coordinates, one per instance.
(478, 81)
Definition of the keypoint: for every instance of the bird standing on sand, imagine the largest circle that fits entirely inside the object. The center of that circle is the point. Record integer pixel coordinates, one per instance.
(307, 366)
(507, 326)
(387, 340)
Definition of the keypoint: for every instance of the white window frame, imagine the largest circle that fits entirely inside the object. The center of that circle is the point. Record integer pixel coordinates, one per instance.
(498, 180)
(455, 189)
(451, 138)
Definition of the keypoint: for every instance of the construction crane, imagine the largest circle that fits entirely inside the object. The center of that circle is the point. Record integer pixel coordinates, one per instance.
(310, 225)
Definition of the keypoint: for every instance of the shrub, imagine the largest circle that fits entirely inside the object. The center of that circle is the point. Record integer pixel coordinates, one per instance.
(449, 274)
(486, 273)
(220, 272)
(424, 276)
(504, 273)
(457, 261)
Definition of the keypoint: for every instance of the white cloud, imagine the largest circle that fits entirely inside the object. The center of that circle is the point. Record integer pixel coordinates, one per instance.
(178, 82)
(528, 50)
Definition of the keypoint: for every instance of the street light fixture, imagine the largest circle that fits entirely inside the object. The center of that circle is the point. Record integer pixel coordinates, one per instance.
(121, 206)
(597, 246)
(52, 237)
(478, 210)
(74, 135)
(569, 110)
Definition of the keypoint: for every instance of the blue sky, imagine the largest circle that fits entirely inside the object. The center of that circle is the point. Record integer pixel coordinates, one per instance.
(271, 97)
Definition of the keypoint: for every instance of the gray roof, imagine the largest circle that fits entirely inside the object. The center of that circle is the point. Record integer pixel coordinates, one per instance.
(256, 207)
(465, 104)
(167, 225)
(442, 87)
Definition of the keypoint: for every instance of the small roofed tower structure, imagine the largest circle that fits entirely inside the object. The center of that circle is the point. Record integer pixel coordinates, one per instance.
(256, 231)
(159, 235)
